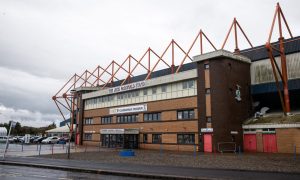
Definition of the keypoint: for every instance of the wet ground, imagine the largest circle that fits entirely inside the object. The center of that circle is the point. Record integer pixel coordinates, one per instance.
(28, 173)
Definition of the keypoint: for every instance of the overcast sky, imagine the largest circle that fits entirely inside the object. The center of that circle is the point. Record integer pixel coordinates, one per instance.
(44, 42)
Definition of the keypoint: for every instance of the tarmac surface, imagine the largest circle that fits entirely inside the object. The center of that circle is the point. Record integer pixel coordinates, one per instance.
(29, 173)
(144, 171)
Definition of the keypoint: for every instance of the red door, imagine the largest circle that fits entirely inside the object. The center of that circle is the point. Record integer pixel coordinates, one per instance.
(270, 144)
(207, 142)
(250, 142)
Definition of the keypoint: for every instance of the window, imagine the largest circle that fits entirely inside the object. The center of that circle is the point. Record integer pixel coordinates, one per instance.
(186, 138)
(88, 136)
(152, 117)
(206, 66)
(88, 121)
(127, 118)
(156, 138)
(145, 91)
(191, 84)
(208, 119)
(137, 93)
(106, 120)
(186, 114)
(164, 88)
(145, 138)
(188, 84)
(184, 85)
(154, 90)
(207, 91)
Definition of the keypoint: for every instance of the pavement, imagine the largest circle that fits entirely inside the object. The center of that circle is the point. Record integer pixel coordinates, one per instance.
(144, 171)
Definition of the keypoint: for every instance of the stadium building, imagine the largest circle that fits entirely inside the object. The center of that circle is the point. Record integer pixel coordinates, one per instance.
(210, 104)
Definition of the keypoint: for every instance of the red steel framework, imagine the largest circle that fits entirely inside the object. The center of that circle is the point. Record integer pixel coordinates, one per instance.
(285, 100)
(234, 26)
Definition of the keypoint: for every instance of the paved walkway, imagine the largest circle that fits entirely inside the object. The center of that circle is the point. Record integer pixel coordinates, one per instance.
(137, 170)
(244, 161)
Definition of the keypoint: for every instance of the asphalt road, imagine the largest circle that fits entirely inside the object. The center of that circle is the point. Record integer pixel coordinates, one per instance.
(27, 173)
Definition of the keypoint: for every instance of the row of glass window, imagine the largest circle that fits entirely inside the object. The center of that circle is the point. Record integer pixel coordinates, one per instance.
(88, 121)
(186, 114)
(182, 114)
(88, 136)
(127, 118)
(106, 120)
(185, 85)
(157, 138)
(181, 138)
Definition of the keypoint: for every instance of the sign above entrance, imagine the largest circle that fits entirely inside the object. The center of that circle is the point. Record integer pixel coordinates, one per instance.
(128, 109)
(205, 130)
(119, 131)
(127, 87)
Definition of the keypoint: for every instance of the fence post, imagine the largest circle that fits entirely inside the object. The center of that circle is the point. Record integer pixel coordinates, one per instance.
(40, 149)
(52, 149)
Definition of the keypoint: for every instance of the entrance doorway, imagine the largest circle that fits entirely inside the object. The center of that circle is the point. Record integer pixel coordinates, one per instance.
(207, 142)
(250, 142)
(270, 144)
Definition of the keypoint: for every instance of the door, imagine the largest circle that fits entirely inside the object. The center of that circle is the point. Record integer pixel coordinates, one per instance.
(270, 144)
(250, 142)
(207, 142)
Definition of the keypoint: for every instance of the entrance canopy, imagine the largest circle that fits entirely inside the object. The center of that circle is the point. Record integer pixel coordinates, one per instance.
(119, 131)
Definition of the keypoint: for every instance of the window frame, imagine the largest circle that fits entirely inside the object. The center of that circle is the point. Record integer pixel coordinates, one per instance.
(182, 138)
(185, 114)
(159, 140)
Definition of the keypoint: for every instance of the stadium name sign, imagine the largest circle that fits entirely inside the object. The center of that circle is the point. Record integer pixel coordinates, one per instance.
(128, 109)
(127, 87)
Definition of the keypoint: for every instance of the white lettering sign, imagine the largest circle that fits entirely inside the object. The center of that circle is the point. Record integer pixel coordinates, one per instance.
(111, 131)
(128, 109)
(207, 130)
(127, 87)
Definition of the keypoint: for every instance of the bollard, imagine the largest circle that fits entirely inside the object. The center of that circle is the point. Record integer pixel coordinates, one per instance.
(40, 149)
(37, 147)
(22, 146)
(85, 148)
(63, 146)
(195, 150)
(67, 149)
(240, 150)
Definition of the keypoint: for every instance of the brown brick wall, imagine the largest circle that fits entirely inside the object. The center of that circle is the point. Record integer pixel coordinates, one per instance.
(227, 113)
(287, 138)
(259, 142)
